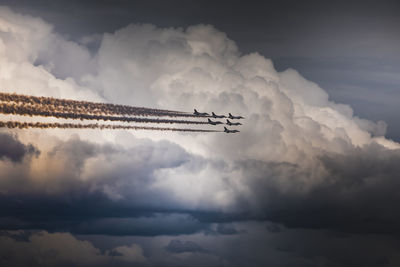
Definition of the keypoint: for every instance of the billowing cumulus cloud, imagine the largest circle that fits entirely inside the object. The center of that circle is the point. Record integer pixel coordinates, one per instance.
(33, 57)
(300, 159)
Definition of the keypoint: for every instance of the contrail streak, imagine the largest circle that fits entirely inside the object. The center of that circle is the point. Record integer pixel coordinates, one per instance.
(25, 125)
(38, 110)
(73, 106)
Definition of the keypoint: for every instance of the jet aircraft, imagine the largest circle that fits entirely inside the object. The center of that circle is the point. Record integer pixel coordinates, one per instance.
(215, 116)
(228, 122)
(214, 122)
(235, 117)
(200, 113)
(230, 131)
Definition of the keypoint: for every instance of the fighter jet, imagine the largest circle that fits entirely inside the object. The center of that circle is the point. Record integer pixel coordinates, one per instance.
(234, 117)
(200, 113)
(217, 116)
(214, 122)
(230, 131)
(232, 123)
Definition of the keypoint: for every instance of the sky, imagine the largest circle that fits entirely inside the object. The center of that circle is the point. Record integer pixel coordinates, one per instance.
(311, 179)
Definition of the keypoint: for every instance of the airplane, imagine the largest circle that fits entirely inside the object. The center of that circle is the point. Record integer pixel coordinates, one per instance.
(217, 116)
(200, 113)
(232, 123)
(230, 131)
(235, 117)
(214, 122)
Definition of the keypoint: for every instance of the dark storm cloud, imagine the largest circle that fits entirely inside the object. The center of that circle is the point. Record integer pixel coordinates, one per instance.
(350, 201)
(40, 248)
(274, 228)
(258, 247)
(139, 224)
(227, 229)
(221, 228)
(11, 148)
(98, 207)
(359, 193)
(17, 236)
(178, 246)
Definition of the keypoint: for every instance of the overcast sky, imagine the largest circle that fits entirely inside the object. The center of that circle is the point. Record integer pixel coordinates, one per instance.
(311, 179)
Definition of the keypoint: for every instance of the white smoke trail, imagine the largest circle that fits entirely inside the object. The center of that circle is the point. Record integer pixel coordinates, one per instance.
(41, 125)
(46, 111)
(60, 105)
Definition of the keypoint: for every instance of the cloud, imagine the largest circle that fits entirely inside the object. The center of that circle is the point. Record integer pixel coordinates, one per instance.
(33, 57)
(299, 160)
(131, 254)
(226, 229)
(178, 246)
(11, 148)
(62, 249)
(142, 225)
(258, 246)
(274, 228)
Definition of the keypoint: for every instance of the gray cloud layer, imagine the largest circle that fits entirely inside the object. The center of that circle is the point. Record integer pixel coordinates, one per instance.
(11, 148)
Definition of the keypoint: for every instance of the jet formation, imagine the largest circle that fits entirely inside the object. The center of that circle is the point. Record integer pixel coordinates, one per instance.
(60, 109)
(215, 116)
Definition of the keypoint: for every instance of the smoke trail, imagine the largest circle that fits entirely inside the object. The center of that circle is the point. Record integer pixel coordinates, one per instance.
(38, 110)
(73, 106)
(41, 125)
